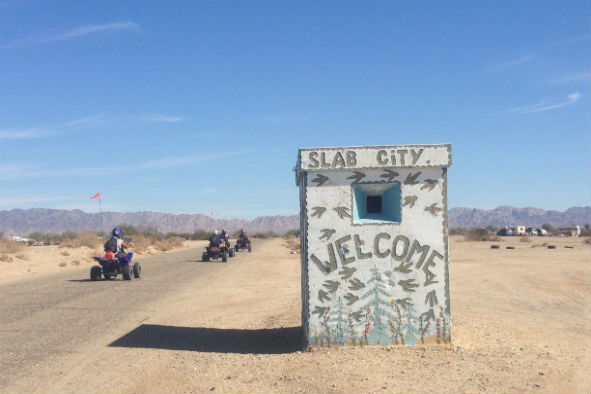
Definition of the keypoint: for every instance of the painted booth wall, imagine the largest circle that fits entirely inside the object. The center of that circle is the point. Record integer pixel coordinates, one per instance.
(375, 282)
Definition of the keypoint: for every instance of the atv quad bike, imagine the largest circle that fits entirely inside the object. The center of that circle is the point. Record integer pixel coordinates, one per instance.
(226, 245)
(214, 252)
(243, 243)
(111, 266)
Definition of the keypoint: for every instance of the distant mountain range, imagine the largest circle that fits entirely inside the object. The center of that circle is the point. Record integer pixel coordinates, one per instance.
(510, 216)
(24, 222)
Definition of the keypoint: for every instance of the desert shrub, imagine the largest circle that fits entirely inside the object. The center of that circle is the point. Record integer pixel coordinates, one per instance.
(64, 253)
(292, 243)
(585, 232)
(169, 243)
(70, 243)
(7, 246)
(128, 230)
(458, 231)
(142, 238)
(524, 238)
(200, 235)
(293, 233)
(53, 238)
(62, 264)
(176, 242)
(75, 262)
(492, 229)
(69, 234)
(185, 236)
(480, 234)
(141, 243)
(5, 258)
(151, 233)
(22, 256)
(37, 236)
(89, 239)
(265, 235)
(551, 229)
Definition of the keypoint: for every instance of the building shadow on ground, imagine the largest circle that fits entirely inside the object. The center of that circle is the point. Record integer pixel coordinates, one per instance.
(214, 340)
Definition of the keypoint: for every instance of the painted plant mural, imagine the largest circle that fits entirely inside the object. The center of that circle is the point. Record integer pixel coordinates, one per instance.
(376, 276)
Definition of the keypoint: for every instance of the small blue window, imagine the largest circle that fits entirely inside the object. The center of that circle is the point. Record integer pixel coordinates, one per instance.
(376, 203)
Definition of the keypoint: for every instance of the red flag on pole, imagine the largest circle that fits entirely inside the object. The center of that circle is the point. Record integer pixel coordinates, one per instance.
(97, 195)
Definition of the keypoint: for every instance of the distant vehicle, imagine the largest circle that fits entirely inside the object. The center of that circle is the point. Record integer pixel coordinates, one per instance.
(243, 243)
(572, 231)
(518, 230)
(536, 232)
(111, 266)
(16, 238)
(505, 232)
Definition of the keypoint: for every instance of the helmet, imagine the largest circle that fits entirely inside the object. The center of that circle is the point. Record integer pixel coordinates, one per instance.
(223, 232)
(117, 233)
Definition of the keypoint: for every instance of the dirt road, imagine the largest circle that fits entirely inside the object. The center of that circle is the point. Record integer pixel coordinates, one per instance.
(521, 324)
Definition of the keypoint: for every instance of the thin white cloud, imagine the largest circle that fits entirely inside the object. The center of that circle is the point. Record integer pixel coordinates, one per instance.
(121, 121)
(571, 79)
(54, 36)
(543, 106)
(512, 63)
(85, 122)
(568, 41)
(168, 162)
(34, 132)
(37, 170)
(88, 123)
(536, 53)
(91, 29)
(27, 199)
(158, 118)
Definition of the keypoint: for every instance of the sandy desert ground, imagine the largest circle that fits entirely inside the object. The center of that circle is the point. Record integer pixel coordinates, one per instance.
(36, 261)
(521, 323)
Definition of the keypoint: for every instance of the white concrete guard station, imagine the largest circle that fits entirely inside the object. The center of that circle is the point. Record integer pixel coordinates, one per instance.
(374, 241)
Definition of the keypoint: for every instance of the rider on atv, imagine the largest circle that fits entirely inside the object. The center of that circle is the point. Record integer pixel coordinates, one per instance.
(225, 238)
(115, 246)
(116, 261)
(243, 241)
(215, 239)
(242, 236)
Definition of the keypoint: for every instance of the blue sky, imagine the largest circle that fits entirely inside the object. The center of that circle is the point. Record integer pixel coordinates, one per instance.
(188, 107)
